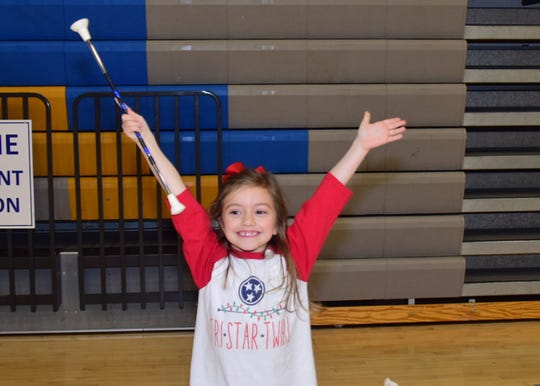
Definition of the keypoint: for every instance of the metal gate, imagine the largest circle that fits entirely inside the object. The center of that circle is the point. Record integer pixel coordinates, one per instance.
(128, 251)
(29, 262)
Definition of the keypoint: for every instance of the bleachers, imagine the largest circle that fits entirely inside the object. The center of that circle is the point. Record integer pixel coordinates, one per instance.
(293, 78)
(501, 207)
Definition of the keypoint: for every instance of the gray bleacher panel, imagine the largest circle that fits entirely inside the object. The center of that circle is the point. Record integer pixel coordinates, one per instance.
(254, 106)
(501, 119)
(425, 61)
(178, 61)
(421, 192)
(351, 279)
(502, 32)
(420, 19)
(420, 150)
(325, 106)
(172, 19)
(305, 61)
(264, 61)
(394, 236)
(397, 278)
(425, 277)
(386, 193)
(501, 162)
(427, 104)
(422, 105)
(277, 19)
(299, 19)
(504, 204)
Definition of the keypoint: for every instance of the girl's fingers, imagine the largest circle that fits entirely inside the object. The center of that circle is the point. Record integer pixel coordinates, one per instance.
(395, 122)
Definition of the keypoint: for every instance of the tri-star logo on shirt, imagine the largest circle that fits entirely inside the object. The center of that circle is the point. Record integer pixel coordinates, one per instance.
(251, 291)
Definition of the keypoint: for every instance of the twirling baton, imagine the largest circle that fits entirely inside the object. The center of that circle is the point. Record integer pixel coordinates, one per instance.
(81, 27)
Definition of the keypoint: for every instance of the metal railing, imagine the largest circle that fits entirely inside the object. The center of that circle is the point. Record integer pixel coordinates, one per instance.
(29, 262)
(128, 260)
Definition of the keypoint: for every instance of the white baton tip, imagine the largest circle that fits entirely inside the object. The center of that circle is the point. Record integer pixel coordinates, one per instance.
(389, 382)
(81, 27)
(176, 206)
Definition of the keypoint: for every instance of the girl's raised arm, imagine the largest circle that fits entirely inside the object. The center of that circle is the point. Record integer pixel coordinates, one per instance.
(132, 122)
(369, 136)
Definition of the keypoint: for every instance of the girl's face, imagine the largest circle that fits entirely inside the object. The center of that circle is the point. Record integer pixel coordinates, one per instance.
(249, 218)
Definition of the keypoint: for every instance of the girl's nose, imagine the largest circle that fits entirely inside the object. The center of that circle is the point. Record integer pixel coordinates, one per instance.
(248, 219)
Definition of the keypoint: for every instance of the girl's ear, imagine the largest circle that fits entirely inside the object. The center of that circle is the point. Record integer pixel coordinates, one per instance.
(215, 225)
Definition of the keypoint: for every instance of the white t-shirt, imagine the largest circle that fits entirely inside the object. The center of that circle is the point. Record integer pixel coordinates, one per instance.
(245, 335)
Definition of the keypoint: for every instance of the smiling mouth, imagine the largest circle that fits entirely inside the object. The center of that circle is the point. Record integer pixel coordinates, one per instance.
(248, 234)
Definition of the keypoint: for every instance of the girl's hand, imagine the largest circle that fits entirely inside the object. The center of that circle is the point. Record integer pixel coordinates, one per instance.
(372, 135)
(133, 122)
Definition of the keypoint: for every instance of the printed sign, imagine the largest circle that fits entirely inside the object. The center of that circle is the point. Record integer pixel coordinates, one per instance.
(16, 175)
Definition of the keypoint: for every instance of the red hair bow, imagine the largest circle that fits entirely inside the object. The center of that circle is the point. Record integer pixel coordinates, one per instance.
(238, 167)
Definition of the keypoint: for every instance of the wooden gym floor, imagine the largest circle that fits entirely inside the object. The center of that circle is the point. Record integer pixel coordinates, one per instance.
(471, 354)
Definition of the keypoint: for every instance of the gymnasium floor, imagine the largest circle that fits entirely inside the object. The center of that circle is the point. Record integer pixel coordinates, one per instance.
(460, 354)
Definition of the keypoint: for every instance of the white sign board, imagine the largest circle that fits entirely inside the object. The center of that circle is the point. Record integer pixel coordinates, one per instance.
(16, 175)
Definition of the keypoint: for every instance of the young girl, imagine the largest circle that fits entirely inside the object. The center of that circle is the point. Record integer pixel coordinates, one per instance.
(252, 268)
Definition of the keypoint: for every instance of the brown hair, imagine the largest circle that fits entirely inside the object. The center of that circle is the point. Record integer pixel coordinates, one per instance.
(278, 242)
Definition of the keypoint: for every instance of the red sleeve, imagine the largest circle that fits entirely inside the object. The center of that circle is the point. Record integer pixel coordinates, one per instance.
(314, 221)
(200, 245)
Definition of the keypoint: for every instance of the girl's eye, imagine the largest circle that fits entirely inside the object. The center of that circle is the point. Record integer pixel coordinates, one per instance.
(260, 212)
(234, 212)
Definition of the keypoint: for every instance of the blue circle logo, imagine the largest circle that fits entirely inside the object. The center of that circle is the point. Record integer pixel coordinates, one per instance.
(251, 291)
